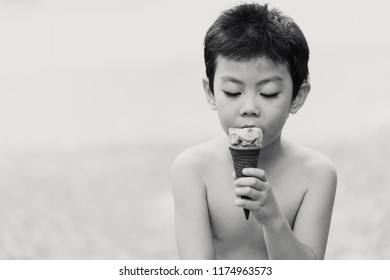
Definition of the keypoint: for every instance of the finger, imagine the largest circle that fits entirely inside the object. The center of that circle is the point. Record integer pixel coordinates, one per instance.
(247, 203)
(244, 192)
(255, 172)
(248, 193)
(234, 176)
(241, 201)
(245, 181)
(251, 182)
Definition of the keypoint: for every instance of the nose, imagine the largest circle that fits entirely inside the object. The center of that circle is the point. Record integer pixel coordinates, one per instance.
(249, 107)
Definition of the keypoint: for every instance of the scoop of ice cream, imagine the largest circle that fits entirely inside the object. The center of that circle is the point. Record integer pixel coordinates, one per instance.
(246, 138)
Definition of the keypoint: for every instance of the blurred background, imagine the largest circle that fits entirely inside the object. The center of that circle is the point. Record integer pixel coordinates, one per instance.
(97, 97)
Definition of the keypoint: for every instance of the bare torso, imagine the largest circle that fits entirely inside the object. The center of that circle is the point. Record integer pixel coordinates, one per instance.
(234, 236)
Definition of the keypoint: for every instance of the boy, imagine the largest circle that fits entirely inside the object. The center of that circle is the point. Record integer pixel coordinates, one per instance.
(257, 74)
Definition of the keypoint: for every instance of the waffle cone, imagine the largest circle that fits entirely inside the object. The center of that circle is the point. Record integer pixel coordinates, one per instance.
(244, 159)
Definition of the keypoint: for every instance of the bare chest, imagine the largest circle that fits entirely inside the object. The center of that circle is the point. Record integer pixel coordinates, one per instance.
(232, 233)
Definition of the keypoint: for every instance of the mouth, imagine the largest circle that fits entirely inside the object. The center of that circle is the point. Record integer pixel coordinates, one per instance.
(248, 126)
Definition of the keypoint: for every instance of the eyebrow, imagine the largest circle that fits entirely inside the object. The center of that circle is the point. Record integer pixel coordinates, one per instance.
(274, 78)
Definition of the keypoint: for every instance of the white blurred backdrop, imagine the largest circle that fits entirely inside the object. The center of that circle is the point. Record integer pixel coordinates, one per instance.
(98, 96)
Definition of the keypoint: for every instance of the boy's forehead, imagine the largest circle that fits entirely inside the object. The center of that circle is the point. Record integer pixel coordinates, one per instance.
(255, 64)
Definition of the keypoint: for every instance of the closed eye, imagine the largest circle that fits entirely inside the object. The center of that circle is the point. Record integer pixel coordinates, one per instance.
(272, 95)
(231, 94)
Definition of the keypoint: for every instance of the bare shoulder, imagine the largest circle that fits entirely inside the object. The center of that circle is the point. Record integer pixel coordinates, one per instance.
(192, 163)
(316, 166)
(197, 157)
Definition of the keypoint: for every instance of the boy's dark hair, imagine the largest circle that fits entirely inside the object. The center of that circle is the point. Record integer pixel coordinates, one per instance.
(250, 31)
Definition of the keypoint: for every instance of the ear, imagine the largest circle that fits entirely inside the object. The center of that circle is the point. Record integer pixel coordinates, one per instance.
(300, 99)
(209, 95)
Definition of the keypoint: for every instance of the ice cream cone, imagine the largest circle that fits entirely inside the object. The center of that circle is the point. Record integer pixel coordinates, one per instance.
(244, 159)
(245, 146)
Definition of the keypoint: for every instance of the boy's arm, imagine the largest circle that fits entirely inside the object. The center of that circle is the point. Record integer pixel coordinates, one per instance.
(192, 225)
(311, 227)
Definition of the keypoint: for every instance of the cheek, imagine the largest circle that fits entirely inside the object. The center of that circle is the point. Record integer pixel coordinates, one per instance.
(276, 118)
(281, 110)
(225, 118)
(226, 114)
(277, 123)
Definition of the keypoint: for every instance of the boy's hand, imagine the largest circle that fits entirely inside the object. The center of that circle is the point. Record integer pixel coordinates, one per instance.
(260, 198)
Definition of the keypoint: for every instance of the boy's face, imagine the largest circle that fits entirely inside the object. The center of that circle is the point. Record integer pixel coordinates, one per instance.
(256, 93)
